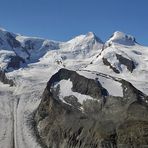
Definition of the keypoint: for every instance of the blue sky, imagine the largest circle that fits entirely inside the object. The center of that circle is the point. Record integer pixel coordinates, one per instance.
(64, 19)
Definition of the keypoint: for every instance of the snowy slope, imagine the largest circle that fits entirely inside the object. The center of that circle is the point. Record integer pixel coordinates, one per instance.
(124, 60)
(24, 49)
(122, 38)
(31, 49)
(6, 116)
(112, 85)
(75, 53)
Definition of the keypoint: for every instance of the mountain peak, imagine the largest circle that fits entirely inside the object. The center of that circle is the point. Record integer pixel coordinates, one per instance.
(2, 29)
(88, 37)
(91, 34)
(122, 38)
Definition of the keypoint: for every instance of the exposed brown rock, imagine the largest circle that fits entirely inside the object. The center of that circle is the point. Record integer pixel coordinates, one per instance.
(112, 125)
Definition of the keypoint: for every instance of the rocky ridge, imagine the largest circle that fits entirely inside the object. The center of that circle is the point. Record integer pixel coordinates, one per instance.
(113, 123)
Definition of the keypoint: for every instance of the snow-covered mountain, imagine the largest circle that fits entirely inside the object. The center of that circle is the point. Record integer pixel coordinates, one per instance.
(18, 51)
(122, 38)
(29, 62)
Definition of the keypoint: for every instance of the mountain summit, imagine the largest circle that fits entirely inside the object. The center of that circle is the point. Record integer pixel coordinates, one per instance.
(122, 38)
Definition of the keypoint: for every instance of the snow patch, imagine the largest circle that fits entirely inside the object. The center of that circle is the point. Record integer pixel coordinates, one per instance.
(66, 90)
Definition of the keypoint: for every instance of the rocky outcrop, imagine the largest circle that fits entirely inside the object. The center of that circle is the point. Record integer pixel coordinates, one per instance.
(127, 62)
(29, 45)
(80, 83)
(15, 62)
(1, 41)
(119, 122)
(107, 63)
(12, 41)
(4, 79)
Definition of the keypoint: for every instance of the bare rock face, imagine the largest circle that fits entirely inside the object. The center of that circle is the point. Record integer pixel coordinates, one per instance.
(15, 62)
(4, 79)
(107, 63)
(127, 62)
(80, 84)
(1, 41)
(12, 41)
(117, 122)
(29, 45)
